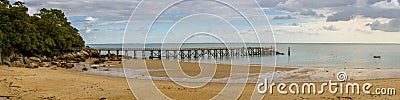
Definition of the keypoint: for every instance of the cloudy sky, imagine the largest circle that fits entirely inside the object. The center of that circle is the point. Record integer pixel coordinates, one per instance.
(289, 21)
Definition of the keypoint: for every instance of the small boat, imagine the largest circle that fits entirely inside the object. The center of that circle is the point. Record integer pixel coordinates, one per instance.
(279, 53)
(377, 57)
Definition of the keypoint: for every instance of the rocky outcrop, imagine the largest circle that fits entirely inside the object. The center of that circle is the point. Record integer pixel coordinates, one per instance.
(67, 60)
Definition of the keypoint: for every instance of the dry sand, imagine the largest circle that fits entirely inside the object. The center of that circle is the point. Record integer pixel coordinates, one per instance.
(45, 83)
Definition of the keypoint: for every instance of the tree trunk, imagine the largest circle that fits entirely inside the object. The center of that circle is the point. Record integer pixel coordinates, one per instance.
(1, 58)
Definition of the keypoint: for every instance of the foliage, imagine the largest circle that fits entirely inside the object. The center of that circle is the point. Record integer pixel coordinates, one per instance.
(45, 33)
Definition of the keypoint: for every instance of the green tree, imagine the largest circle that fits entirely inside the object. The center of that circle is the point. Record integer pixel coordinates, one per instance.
(58, 34)
(46, 33)
(5, 3)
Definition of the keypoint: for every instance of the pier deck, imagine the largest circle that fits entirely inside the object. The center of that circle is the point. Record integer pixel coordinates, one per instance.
(189, 52)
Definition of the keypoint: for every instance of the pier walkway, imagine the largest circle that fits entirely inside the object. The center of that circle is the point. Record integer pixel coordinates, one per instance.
(188, 52)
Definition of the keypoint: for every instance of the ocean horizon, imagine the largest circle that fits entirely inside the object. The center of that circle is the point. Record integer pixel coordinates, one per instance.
(303, 55)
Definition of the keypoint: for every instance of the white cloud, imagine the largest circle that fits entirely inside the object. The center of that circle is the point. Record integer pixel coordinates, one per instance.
(343, 10)
(391, 26)
(290, 5)
(113, 9)
(298, 5)
(283, 17)
(347, 13)
(90, 19)
(89, 22)
(87, 29)
(309, 12)
(352, 31)
(393, 4)
(361, 3)
(330, 28)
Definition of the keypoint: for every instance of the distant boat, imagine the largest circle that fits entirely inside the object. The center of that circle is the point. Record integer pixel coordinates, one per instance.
(279, 53)
(377, 57)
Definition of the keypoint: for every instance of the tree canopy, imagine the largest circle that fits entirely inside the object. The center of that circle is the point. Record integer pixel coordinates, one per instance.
(46, 33)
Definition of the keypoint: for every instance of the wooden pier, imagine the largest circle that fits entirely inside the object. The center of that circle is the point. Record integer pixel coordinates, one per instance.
(183, 53)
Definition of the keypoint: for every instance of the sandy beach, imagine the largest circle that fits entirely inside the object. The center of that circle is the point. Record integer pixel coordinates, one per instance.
(46, 83)
(199, 49)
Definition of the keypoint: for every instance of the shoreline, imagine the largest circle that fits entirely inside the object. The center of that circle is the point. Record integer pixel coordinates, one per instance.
(281, 74)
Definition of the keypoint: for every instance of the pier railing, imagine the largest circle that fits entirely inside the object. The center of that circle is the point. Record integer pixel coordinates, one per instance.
(189, 52)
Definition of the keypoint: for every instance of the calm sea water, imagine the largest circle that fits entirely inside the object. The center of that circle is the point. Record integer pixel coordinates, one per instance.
(325, 55)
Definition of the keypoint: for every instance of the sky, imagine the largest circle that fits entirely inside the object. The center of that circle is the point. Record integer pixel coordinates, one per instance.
(283, 21)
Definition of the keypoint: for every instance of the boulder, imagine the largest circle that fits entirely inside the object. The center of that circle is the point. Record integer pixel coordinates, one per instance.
(73, 55)
(15, 57)
(59, 65)
(44, 64)
(33, 65)
(69, 65)
(93, 67)
(74, 61)
(35, 59)
(62, 65)
(53, 67)
(53, 63)
(67, 56)
(70, 56)
(7, 63)
(27, 60)
(91, 51)
(55, 58)
(85, 53)
(49, 59)
(98, 61)
(84, 69)
(17, 64)
(114, 58)
(78, 55)
(45, 59)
